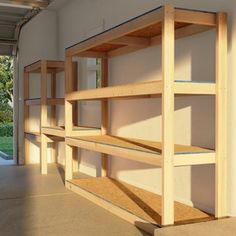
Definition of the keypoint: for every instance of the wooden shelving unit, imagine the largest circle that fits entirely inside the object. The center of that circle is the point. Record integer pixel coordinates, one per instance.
(159, 26)
(44, 68)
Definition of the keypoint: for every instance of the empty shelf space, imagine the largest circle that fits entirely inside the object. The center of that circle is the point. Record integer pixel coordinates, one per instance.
(128, 201)
(142, 150)
(33, 102)
(145, 89)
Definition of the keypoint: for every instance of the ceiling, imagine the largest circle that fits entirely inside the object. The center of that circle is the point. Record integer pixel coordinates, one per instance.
(13, 15)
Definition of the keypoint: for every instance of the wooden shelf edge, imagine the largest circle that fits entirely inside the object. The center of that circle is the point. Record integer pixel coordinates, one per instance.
(195, 156)
(33, 102)
(131, 218)
(54, 131)
(55, 101)
(150, 88)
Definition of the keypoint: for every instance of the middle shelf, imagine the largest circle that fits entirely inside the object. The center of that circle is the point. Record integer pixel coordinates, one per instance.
(144, 151)
(148, 89)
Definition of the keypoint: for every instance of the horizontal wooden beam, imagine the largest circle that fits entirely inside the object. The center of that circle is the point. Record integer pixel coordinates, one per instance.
(135, 89)
(194, 159)
(141, 90)
(92, 54)
(33, 67)
(135, 155)
(33, 102)
(54, 131)
(195, 17)
(55, 101)
(131, 41)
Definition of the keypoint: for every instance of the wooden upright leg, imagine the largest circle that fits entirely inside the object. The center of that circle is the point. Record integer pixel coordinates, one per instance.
(104, 118)
(69, 162)
(68, 119)
(221, 116)
(26, 117)
(53, 114)
(43, 154)
(44, 115)
(168, 116)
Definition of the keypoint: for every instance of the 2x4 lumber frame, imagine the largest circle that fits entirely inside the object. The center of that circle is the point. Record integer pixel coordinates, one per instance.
(221, 116)
(33, 67)
(55, 101)
(104, 116)
(168, 115)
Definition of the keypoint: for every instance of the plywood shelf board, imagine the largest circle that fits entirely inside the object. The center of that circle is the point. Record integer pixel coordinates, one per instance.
(144, 204)
(140, 145)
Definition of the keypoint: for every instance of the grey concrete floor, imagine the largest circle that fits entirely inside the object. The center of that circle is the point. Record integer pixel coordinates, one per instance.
(36, 205)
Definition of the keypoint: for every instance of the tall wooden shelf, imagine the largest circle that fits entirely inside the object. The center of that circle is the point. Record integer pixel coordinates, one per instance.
(42, 67)
(159, 26)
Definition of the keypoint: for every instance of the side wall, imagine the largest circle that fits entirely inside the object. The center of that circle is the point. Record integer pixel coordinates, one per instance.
(194, 116)
(38, 40)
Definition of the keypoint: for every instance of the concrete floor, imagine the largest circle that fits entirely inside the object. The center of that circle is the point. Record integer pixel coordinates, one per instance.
(36, 205)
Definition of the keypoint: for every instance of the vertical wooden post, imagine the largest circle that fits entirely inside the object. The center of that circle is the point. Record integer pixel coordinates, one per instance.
(104, 114)
(26, 116)
(221, 116)
(168, 116)
(44, 116)
(53, 113)
(68, 119)
(74, 84)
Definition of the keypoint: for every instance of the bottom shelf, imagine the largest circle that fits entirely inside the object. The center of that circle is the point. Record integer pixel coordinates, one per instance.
(136, 205)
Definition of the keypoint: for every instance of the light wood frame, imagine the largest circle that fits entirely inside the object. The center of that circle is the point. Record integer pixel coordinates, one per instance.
(194, 22)
(42, 67)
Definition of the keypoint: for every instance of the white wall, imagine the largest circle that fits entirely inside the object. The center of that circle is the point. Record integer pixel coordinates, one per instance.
(38, 40)
(194, 116)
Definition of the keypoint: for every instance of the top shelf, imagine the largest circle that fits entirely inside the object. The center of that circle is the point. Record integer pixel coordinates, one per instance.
(52, 66)
(141, 32)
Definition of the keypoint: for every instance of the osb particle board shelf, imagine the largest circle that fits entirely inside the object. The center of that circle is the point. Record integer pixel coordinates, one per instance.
(133, 203)
(142, 150)
(142, 89)
(77, 130)
(142, 32)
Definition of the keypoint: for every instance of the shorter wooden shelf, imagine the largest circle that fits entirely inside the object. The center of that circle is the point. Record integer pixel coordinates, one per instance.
(136, 205)
(36, 137)
(52, 66)
(142, 150)
(145, 89)
(59, 131)
(33, 102)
